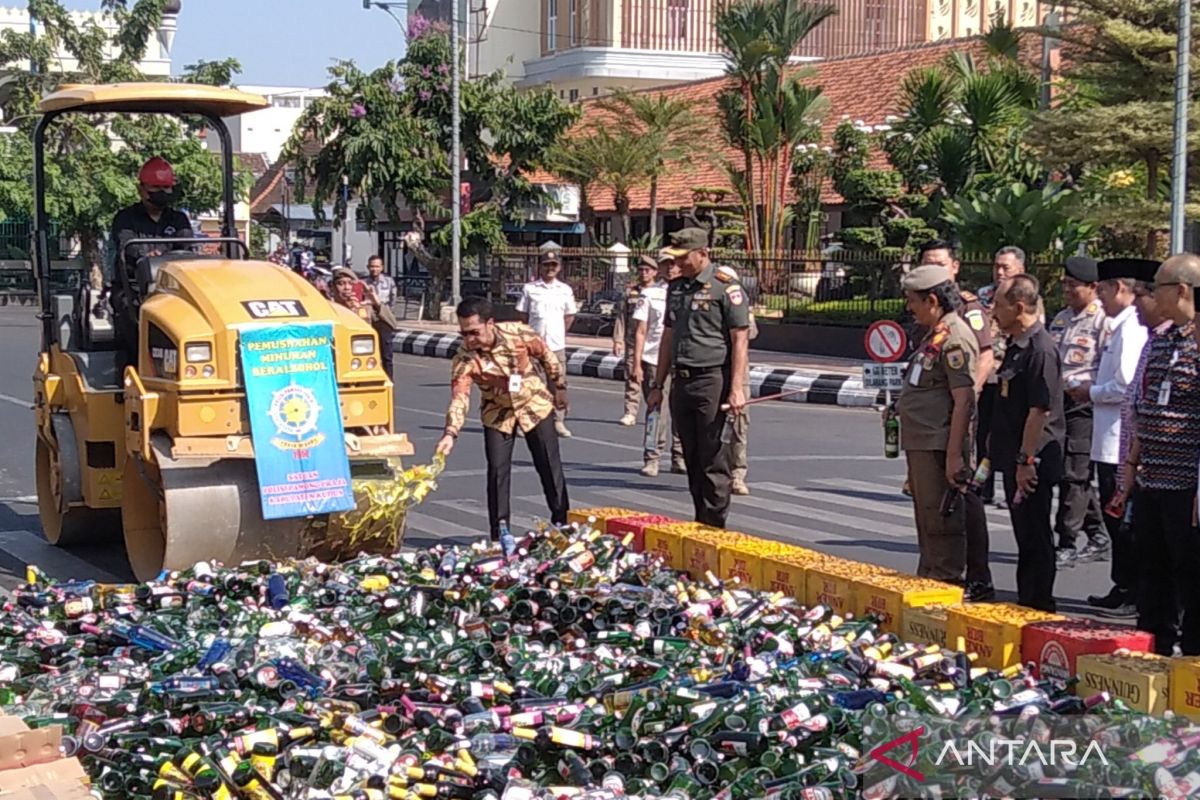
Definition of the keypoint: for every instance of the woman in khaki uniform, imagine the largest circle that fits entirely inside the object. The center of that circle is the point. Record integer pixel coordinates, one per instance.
(935, 409)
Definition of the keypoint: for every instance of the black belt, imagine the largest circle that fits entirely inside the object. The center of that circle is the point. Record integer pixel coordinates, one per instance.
(692, 372)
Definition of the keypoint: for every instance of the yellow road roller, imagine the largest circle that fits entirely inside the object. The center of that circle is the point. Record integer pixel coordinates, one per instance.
(150, 430)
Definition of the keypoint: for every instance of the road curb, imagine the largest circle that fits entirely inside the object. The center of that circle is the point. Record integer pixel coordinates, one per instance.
(812, 386)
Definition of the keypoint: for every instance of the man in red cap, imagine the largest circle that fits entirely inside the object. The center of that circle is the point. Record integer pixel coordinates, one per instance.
(154, 216)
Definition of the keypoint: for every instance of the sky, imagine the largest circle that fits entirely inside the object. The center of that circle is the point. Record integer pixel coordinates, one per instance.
(281, 42)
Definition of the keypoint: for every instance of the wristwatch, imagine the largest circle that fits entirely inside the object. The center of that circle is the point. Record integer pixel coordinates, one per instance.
(1026, 460)
(655, 385)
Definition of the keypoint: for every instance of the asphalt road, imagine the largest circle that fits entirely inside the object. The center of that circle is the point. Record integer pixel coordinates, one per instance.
(817, 475)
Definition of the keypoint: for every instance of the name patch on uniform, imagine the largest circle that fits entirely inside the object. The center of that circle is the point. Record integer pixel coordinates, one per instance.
(736, 296)
(974, 318)
(274, 309)
(1083, 341)
(1075, 357)
(955, 359)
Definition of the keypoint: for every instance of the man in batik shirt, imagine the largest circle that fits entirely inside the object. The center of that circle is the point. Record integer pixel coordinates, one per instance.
(507, 361)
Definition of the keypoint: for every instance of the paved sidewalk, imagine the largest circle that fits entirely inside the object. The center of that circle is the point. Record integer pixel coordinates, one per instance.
(808, 380)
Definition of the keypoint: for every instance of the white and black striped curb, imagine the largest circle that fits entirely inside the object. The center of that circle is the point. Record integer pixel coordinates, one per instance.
(592, 362)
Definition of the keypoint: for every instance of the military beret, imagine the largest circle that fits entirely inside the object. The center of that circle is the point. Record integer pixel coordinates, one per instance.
(1082, 268)
(1139, 269)
(687, 240)
(550, 257)
(646, 262)
(924, 278)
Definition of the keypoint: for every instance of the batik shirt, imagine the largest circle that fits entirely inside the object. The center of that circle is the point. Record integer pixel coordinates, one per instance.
(1129, 408)
(1168, 412)
(512, 390)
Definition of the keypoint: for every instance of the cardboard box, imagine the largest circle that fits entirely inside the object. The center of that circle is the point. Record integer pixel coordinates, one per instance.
(636, 525)
(924, 625)
(1141, 680)
(887, 596)
(1054, 647)
(666, 540)
(1185, 687)
(992, 631)
(784, 573)
(583, 516)
(831, 583)
(32, 766)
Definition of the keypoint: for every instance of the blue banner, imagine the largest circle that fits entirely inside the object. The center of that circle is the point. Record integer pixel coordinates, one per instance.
(295, 420)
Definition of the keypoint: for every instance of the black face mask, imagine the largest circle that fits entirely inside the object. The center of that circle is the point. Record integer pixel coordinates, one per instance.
(160, 198)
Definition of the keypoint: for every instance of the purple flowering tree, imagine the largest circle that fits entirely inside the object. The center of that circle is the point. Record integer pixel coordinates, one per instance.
(388, 132)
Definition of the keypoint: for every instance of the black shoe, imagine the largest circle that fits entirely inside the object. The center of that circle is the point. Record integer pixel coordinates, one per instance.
(1114, 599)
(1094, 552)
(978, 592)
(1064, 557)
(1001, 504)
(1125, 611)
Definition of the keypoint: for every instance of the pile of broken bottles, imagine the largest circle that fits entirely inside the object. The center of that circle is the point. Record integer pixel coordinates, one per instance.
(572, 669)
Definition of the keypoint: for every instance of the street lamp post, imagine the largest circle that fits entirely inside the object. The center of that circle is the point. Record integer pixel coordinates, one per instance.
(455, 140)
(1179, 162)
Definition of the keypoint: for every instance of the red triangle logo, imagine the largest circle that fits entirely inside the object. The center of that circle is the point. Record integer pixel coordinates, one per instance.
(912, 740)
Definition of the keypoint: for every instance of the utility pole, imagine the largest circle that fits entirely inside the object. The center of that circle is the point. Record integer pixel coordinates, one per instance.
(345, 221)
(456, 162)
(1179, 162)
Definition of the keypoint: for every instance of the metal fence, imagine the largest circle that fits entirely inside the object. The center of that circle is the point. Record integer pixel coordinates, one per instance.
(825, 287)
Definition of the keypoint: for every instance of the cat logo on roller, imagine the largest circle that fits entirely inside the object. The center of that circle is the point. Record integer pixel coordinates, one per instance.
(274, 309)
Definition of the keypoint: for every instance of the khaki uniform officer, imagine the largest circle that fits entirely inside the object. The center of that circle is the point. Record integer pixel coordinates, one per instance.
(935, 409)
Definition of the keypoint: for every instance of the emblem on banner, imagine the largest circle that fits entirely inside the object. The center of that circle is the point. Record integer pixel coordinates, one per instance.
(295, 412)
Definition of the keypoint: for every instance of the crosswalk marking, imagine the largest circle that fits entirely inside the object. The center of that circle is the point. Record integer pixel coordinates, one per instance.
(30, 548)
(435, 526)
(898, 510)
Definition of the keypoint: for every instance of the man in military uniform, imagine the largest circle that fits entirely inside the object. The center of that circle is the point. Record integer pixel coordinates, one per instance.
(1077, 331)
(979, 573)
(705, 346)
(935, 409)
(624, 329)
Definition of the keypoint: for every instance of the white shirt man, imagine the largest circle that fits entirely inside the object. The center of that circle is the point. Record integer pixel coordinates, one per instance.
(652, 310)
(1124, 339)
(548, 306)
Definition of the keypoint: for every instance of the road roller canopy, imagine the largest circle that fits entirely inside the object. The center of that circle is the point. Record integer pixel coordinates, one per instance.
(152, 98)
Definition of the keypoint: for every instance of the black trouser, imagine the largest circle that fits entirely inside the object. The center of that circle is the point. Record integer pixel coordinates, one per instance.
(1169, 555)
(1031, 527)
(1078, 506)
(978, 545)
(386, 347)
(1124, 555)
(983, 427)
(542, 442)
(696, 398)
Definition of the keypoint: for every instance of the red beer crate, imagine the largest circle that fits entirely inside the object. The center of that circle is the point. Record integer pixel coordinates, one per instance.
(620, 527)
(1052, 647)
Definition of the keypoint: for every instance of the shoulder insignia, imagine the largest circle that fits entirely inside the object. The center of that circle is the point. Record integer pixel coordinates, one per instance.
(735, 295)
(1075, 357)
(1093, 307)
(955, 358)
(974, 318)
(968, 296)
(721, 276)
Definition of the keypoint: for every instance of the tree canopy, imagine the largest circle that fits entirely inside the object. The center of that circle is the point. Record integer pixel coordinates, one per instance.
(387, 132)
(88, 178)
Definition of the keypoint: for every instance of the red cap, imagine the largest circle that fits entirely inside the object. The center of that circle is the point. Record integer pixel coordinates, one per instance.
(157, 173)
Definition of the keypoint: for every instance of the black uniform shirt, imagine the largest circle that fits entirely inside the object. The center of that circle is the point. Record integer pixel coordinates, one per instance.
(1030, 378)
(701, 311)
(135, 223)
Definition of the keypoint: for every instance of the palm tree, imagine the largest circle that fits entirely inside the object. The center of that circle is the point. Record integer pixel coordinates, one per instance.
(615, 159)
(767, 111)
(670, 123)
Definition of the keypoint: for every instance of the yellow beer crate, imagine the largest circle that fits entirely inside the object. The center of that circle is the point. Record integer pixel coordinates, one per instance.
(583, 516)
(743, 559)
(1185, 687)
(702, 550)
(1140, 680)
(886, 596)
(831, 582)
(992, 631)
(667, 541)
(924, 625)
